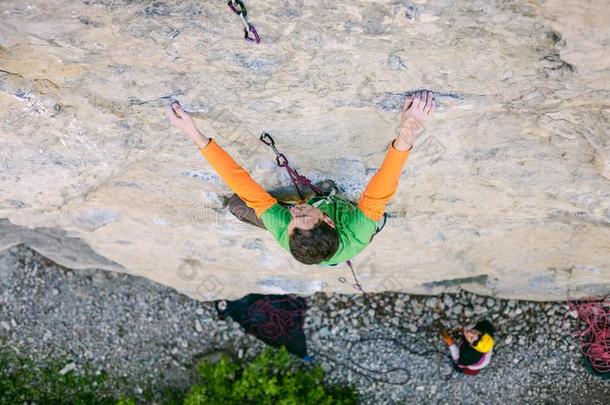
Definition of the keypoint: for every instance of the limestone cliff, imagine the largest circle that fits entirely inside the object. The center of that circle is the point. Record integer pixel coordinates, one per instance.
(507, 192)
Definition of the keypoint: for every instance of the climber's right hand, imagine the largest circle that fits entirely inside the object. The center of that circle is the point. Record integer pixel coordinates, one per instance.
(183, 122)
(416, 109)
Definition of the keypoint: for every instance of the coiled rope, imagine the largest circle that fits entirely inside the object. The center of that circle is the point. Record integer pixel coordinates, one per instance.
(593, 331)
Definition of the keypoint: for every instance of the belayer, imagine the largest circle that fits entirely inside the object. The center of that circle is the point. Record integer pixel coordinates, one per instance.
(474, 352)
(324, 230)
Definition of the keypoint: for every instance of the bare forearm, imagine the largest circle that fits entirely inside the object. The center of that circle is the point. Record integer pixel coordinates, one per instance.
(199, 139)
(402, 144)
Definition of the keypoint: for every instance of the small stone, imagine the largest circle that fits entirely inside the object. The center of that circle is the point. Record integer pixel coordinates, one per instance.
(198, 326)
(418, 308)
(199, 311)
(396, 62)
(324, 332)
(431, 302)
(55, 291)
(67, 368)
(448, 301)
(412, 328)
(5, 325)
(509, 339)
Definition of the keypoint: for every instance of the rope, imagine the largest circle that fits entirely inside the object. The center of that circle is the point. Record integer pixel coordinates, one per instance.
(278, 322)
(383, 375)
(593, 331)
(243, 13)
(356, 284)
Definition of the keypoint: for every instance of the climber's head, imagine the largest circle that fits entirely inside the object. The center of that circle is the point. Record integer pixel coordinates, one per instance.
(312, 234)
(480, 336)
(471, 335)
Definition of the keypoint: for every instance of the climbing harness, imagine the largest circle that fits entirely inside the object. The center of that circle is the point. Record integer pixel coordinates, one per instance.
(242, 13)
(297, 180)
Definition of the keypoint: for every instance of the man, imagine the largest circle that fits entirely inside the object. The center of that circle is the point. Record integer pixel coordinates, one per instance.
(323, 230)
(474, 353)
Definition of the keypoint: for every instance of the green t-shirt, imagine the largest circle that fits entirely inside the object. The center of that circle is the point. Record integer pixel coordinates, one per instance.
(355, 229)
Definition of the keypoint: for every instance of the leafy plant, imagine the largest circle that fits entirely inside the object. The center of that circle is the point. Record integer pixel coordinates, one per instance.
(271, 378)
(23, 381)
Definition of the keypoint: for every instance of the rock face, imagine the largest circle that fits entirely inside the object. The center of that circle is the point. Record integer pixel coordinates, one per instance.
(506, 193)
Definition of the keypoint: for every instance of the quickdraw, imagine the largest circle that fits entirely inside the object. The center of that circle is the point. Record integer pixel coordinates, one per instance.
(243, 13)
(297, 180)
(282, 161)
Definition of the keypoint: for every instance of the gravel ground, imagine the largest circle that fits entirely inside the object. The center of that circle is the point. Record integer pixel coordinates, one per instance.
(387, 345)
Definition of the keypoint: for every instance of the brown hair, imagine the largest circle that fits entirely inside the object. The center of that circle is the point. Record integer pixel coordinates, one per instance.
(314, 245)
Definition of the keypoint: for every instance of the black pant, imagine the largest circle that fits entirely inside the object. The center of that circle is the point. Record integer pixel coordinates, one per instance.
(238, 207)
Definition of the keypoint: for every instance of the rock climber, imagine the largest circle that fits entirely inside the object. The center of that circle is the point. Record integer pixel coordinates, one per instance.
(474, 352)
(324, 230)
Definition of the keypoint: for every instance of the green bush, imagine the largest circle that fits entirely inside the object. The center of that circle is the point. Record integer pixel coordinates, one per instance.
(23, 381)
(271, 378)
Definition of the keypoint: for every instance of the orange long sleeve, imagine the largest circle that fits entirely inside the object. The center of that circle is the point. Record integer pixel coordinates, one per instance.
(383, 185)
(237, 178)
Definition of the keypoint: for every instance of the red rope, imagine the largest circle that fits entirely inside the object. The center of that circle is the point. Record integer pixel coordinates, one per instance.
(357, 284)
(593, 331)
(277, 322)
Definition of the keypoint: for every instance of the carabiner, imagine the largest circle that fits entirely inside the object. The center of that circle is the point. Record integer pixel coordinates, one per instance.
(256, 38)
(241, 6)
(270, 141)
(281, 160)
